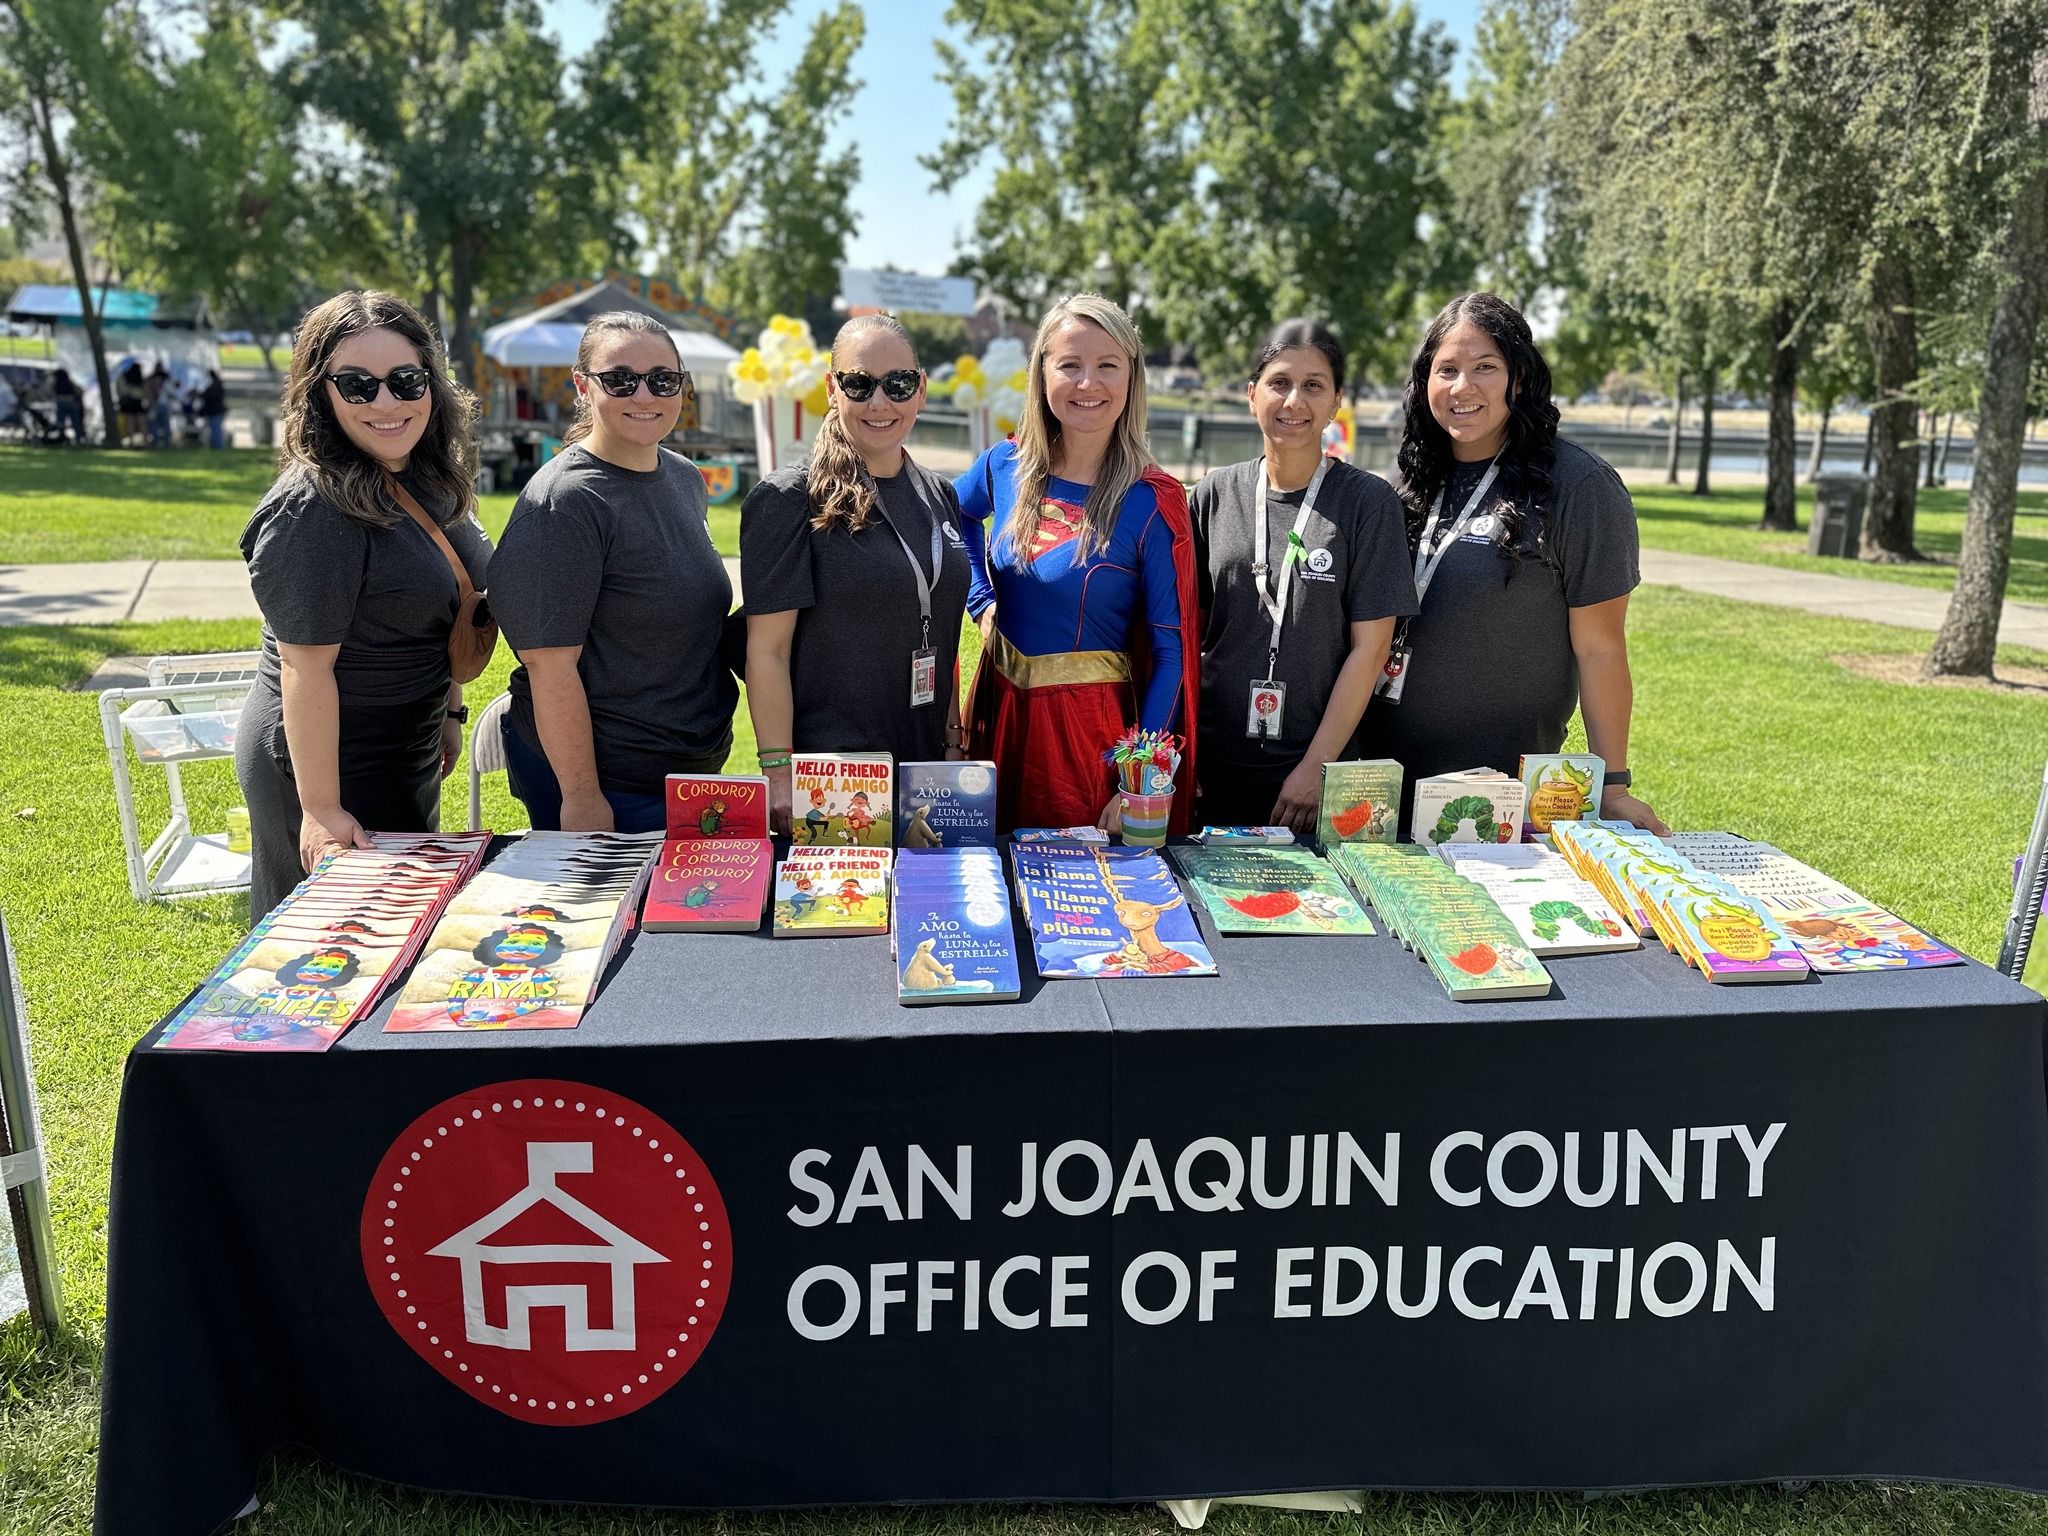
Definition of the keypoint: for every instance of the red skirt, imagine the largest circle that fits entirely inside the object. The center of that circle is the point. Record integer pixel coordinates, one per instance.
(1047, 745)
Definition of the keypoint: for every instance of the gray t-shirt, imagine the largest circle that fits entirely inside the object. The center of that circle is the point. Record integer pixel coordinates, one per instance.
(620, 562)
(1356, 569)
(857, 612)
(386, 596)
(1492, 674)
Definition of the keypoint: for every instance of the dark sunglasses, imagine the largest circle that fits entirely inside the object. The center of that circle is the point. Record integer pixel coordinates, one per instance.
(358, 386)
(662, 383)
(899, 384)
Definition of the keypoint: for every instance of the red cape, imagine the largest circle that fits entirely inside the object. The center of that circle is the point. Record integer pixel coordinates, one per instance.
(1173, 506)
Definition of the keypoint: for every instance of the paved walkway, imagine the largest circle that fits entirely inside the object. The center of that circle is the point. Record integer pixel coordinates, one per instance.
(108, 592)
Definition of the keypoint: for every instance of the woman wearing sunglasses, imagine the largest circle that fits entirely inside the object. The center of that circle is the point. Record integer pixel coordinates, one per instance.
(854, 578)
(614, 600)
(355, 717)
(1083, 555)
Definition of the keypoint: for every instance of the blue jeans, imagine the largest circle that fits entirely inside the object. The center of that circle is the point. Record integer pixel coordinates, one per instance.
(71, 419)
(216, 431)
(534, 785)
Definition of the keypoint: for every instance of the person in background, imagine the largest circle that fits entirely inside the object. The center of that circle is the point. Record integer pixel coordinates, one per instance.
(132, 390)
(213, 406)
(854, 574)
(1321, 545)
(612, 596)
(355, 717)
(69, 400)
(161, 396)
(1525, 555)
(1084, 579)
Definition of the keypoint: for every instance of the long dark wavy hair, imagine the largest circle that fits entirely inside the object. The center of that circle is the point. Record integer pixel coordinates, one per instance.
(312, 443)
(1522, 499)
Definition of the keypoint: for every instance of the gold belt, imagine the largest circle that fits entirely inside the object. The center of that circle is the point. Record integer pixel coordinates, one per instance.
(1058, 669)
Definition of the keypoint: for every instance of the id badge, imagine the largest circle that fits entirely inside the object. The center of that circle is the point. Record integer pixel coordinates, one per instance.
(924, 677)
(1394, 677)
(1267, 709)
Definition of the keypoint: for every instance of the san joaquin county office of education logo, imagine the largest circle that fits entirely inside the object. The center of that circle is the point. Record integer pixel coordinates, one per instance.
(553, 1249)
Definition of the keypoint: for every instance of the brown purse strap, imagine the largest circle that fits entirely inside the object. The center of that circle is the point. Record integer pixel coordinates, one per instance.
(463, 585)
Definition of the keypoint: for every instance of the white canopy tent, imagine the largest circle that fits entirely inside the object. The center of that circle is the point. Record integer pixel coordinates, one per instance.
(534, 342)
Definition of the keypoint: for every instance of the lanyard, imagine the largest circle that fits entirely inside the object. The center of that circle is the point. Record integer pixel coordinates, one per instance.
(924, 586)
(1426, 562)
(1276, 605)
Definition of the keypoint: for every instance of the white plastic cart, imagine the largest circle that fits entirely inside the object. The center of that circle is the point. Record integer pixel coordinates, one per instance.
(187, 714)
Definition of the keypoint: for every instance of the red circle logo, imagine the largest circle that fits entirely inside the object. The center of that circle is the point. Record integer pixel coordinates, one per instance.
(553, 1249)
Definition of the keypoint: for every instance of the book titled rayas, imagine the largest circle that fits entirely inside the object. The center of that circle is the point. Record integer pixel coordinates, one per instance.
(525, 943)
(705, 805)
(1103, 912)
(946, 805)
(1271, 890)
(825, 892)
(841, 800)
(709, 885)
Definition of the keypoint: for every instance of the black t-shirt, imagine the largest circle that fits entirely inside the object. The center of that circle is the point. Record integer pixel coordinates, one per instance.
(1492, 675)
(1355, 569)
(386, 596)
(857, 612)
(620, 562)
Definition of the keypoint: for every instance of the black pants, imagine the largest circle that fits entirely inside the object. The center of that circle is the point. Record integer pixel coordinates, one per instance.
(1237, 795)
(390, 780)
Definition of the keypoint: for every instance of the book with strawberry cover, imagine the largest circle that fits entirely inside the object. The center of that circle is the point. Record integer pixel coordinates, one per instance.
(842, 800)
(1471, 946)
(709, 885)
(1560, 786)
(1271, 890)
(825, 892)
(1361, 802)
(704, 805)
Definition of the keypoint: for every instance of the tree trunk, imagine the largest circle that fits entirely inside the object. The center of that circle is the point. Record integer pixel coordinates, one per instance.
(1700, 483)
(461, 295)
(1948, 439)
(1677, 414)
(1933, 442)
(60, 184)
(1820, 442)
(1968, 641)
(1781, 451)
(1895, 353)
(1869, 438)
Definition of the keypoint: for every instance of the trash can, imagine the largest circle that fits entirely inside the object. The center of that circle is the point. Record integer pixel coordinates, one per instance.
(1838, 503)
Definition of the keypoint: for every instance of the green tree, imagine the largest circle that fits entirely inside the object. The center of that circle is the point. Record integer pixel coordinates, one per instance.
(737, 193)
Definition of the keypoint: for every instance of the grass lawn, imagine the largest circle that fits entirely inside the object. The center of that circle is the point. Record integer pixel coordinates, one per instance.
(61, 504)
(1743, 723)
(232, 354)
(1725, 524)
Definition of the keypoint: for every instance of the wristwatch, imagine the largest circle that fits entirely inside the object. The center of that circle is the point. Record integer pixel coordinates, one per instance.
(461, 712)
(1619, 778)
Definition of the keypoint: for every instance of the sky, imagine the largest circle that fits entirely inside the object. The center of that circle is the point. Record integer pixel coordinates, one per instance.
(901, 112)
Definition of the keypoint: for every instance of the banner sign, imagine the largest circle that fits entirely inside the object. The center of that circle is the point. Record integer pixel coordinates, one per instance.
(864, 289)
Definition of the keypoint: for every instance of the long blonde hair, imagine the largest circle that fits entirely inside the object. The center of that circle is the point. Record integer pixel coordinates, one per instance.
(1038, 433)
(842, 493)
(613, 322)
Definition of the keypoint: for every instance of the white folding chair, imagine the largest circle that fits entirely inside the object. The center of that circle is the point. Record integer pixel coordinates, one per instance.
(486, 754)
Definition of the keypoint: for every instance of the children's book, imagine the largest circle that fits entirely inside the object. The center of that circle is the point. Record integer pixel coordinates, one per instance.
(1479, 805)
(1223, 837)
(1059, 835)
(832, 891)
(326, 955)
(1560, 786)
(1361, 802)
(952, 939)
(1472, 947)
(945, 805)
(706, 805)
(709, 885)
(1271, 890)
(525, 944)
(842, 800)
(1103, 912)
(1555, 911)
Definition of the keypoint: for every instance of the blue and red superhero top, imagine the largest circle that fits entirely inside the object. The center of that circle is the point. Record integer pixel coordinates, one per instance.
(1055, 601)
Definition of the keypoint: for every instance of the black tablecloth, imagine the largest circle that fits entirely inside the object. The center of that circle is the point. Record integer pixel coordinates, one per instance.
(1862, 1296)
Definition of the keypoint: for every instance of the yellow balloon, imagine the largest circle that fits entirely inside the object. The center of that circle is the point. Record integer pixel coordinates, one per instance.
(817, 401)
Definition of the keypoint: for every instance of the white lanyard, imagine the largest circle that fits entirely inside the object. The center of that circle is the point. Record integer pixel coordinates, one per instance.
(1276, 606)
(1427, 562)
(924, 587)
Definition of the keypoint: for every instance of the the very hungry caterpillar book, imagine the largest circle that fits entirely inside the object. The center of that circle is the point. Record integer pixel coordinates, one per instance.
(1479, 805)
(1100, 912)
(1271, 890)
(842, 800)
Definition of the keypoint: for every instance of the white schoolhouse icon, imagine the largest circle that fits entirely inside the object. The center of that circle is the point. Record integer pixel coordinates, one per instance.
(611, 1249)
(1320, 560)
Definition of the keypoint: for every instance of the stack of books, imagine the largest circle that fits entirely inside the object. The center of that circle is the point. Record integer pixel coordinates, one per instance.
(716, 865)
(1479, 805)
(1103, 912)
(952, 939)
(1271, 890)
(523, 945)
(1470, 945)
(324, 956)
(821, 892)
(1721, 933)
(1556, 912)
